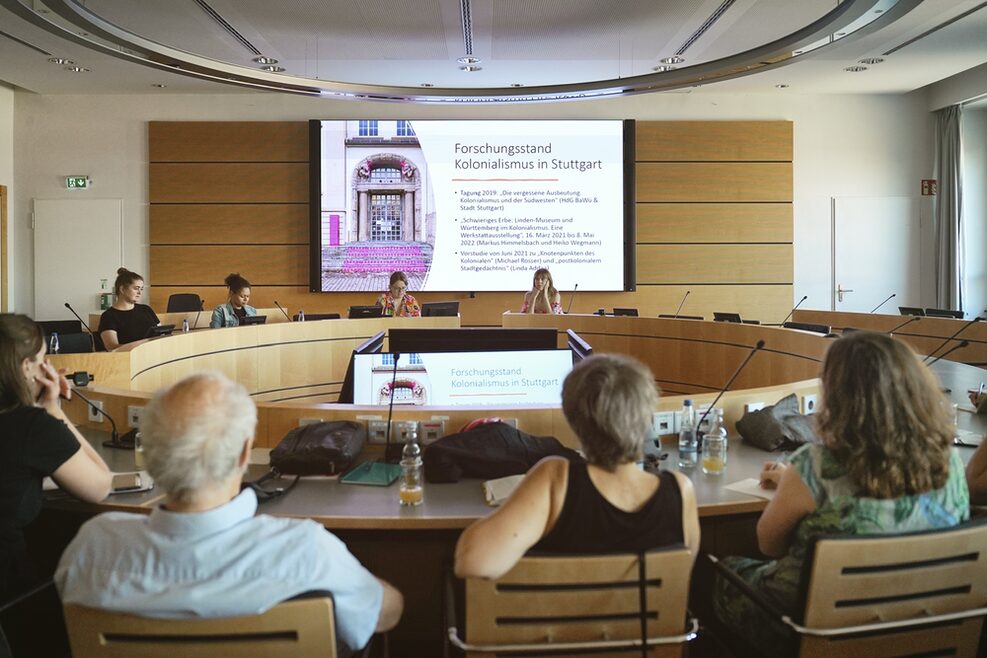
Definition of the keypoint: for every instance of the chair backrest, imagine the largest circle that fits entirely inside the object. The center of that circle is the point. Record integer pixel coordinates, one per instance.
(856, 581)
(301, 628)
(584, 598)
(184, 302)
(77, 343)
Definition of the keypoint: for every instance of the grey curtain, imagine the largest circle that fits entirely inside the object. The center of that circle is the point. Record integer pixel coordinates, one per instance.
(948, 206)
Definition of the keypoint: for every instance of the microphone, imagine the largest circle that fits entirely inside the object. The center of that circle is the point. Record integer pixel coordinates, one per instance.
(957, 333)
(682, 303)
(912, 319)
(202, 305)
(893, 295)
(92, 336)
(390, 410)
(572, 299)
(962, 344)
(754, 350)
(804, 297)
(285, 312)
(114, 441)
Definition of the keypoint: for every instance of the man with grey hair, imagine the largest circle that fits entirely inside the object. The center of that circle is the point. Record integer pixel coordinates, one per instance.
(204, 552)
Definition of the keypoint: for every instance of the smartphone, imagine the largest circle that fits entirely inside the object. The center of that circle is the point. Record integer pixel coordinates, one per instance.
(126, 482)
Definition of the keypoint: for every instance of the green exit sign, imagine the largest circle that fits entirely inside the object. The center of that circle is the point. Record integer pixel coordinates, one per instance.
(77, 182)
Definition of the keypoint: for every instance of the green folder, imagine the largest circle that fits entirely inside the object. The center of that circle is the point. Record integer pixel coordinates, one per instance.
(375, 474)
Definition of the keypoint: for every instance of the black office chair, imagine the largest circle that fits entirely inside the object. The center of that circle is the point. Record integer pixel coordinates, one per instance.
(78, 343)
(184, 302)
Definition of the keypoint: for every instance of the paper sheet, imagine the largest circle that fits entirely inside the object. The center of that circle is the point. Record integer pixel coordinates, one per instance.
(752, 487)
(499, 490)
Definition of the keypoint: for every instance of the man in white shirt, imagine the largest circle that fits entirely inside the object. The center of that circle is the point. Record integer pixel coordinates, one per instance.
(203, 552)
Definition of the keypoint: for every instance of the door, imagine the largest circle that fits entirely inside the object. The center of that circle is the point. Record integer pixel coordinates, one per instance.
(876, 253)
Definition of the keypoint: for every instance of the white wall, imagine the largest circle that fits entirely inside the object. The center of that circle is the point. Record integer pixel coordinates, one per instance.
(974, 137)
(877, 145)
(6, 148)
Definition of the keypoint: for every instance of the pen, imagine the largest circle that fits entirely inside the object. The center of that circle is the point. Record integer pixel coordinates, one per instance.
(980, 391)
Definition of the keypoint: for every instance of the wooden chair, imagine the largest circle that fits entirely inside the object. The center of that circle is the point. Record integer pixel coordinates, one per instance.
(889, 595)
(590, 604)
(301, 628)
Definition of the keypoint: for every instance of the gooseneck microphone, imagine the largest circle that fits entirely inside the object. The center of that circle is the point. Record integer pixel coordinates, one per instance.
(572, 299)
(682, 303)
(893, 295)
(390, 410)
(92, 336)
(754, 350)
(282, 310)
(914, 318)
(957, 333)
(962, 344)
(114, 441)
(804, 297)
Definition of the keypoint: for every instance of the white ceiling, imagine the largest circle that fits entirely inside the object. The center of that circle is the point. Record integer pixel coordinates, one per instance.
(379, 45)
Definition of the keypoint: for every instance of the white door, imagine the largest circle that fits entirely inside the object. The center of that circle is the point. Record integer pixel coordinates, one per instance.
(876, 252)
(77, 242)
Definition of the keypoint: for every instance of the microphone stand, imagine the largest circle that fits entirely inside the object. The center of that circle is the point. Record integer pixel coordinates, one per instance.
(390, 410)
(804, 297)
(282, 310)
(114, 441)
(92, 336)
(910, 320)
(958, 332)
(682, 303)
(893, 295)
(572, 299)
(962, 344)
(754, 350)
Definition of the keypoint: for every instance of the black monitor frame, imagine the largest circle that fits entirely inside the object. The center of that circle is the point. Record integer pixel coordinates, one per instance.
(726, 317)
(911, 310)
(669, 316)
(252, 319)
(626, 312)
(440, 309)
(373, 345)
(473, 339)
(943, 313)
(160, 330)
(579, 347)
(808, 326)
(375, 311)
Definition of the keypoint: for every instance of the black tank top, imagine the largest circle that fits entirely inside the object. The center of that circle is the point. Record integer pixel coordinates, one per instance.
(588, 523)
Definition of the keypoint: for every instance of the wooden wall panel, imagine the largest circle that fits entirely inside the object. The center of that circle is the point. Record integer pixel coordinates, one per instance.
(714, 222)
(714, 141)
(692, 182)
(714, 263)
(200, 265)
(229, 223)
(228, 183)
(228, 141)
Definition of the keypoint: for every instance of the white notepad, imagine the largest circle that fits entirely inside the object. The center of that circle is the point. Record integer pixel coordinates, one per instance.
(752, 487)
(497, 491)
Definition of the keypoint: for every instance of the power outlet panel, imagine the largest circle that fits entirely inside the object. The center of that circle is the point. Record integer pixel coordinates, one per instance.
(663, 423)
(431, 430)
(96, 414)
(377, 431)
(134, 413)
(809, 404)
(400, 429)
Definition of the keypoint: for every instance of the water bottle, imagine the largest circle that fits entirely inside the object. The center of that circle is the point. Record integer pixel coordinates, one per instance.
(715, 446)
(410, 492)
(185, 326)
(301, 315)
(688, 442)
(53, 343)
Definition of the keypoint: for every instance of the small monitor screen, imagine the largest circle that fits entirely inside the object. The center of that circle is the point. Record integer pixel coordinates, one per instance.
(365, 312)
(253, 319)
(461, 378)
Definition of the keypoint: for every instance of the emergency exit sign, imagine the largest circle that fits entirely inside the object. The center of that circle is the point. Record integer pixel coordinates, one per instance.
(77, 182)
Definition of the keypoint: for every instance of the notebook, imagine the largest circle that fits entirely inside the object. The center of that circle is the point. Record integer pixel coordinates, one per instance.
(374, 474)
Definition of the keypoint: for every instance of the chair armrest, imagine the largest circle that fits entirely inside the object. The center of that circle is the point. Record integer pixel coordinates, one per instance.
(759, 599)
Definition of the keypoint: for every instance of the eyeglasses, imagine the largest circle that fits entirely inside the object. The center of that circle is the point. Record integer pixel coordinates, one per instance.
(398, 288)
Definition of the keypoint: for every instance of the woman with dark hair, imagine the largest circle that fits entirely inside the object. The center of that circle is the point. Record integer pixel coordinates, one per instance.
(396, 301)
(236, 306)
(885, 465)
(127, 320)
(36, 440)
(607, 504)
(543, 297)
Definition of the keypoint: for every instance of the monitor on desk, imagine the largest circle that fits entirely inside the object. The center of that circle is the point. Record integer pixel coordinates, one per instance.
(726, 317)
(253, 319)
(160, 330)
(372, 345)
(365, 312)
(440, 309)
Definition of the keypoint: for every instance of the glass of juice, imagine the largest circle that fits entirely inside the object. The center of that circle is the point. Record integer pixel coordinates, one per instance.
(714, 455)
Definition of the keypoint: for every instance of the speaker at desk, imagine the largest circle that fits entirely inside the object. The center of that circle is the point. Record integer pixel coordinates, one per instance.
(253, 319)
(366, 312)
(440, 309)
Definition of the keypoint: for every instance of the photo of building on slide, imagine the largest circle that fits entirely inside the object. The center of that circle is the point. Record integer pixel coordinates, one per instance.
(377, 210)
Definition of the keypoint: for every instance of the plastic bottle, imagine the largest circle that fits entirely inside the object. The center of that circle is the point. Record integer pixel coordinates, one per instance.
(688, 442)
(53, 343)
(301, 315)
(185, 326)
(410, 492)
(715, 446)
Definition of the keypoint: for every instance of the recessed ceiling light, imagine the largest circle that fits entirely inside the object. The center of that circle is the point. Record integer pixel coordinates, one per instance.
(782, 86)
(273, 69)
(674, 59)
(663, 68)
(872, 60)
(159, 85)
(855, 69)
(60, 60)
(265, 60)
(77, 69)
(470, 68)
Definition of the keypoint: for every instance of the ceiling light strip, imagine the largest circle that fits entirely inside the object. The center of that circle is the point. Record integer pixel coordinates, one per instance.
(708, 23)
(213, 14)
(466, 11)
(936, 29)
(25, 43)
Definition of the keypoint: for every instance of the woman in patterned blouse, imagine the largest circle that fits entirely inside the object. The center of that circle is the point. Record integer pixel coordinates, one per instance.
(543, 297)
(396, 301)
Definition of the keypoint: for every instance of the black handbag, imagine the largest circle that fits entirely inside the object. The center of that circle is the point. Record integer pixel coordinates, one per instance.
(320, 448)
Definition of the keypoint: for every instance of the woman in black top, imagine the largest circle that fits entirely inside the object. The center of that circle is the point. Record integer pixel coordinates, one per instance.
(126, 321)
(36, 439)
(607, 504)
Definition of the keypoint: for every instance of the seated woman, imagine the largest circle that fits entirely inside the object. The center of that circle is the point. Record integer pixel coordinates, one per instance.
(236, 307)
(885, 465)
(979, 401)
(543, 297)
(38, 440)
(605, 505)
(976, 475)
(396, 301)
(126, 321)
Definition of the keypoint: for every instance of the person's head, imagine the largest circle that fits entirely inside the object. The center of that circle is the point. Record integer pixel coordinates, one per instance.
(884, 416)
(128, 285)
(398, 285)
(22, 350)
(239, 289)
(196, 435)
(542, 280)
(608, 400)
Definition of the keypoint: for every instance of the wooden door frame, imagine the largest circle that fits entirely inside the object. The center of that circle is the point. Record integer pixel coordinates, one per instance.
(4, 255)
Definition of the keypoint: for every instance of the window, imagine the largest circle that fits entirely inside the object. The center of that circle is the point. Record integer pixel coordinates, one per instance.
(385, 217)
(405, 129)
(385, 175)
(368, 128)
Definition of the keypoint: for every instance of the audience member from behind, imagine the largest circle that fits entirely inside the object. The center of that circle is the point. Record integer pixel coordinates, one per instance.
(605, 505)
(36, 439)
(396, 301)
(236, 307)
(203, 552)
(543, 297)
(885, 465)
(127, 320)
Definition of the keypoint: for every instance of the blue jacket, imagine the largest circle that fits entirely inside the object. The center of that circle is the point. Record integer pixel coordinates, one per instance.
(224, 316)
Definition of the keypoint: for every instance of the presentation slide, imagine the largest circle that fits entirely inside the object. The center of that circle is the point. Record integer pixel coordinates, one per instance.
(471, 205)
(462, 378)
